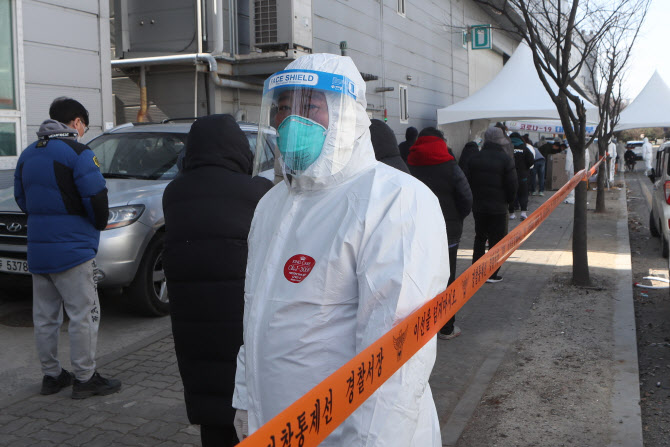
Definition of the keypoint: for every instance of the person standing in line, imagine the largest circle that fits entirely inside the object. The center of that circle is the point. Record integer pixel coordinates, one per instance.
(470, 149)
(430, 161)
(523, 162)
(385, 145)
(411, 133)
(537, 173)
(494, 184)
(332, 264)
(647, 156)
(205, 269)
(58, 184)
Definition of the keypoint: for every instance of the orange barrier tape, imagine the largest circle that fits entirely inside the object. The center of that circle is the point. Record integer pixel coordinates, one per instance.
(310, 419)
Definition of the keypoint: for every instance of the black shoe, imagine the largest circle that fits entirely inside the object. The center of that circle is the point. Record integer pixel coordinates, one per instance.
(96, 385)
(52, 385)
(494, 278)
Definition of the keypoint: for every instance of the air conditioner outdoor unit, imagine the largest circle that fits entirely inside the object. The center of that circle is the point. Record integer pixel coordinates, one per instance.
(282, 24)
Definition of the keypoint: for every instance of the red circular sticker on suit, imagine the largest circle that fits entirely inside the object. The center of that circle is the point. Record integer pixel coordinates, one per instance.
(298, 267)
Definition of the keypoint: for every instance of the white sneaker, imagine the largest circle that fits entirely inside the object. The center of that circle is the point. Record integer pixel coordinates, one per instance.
(512, 216)
(523, 215)
(455, 333)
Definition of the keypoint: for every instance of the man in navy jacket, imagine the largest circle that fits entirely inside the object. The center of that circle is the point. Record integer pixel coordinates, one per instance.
(58, 184)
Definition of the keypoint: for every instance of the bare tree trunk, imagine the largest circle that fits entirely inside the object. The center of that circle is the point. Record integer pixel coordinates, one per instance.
(580, 260)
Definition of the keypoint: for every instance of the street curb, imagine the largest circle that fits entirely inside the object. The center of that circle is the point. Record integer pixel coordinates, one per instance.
(626, 411)
(33, 390)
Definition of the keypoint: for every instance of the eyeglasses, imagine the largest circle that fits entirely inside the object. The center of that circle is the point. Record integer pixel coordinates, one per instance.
(85, 126)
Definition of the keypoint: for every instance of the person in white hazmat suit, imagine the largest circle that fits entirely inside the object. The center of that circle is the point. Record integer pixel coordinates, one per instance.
(570, 170)
(339, 252)
(647, 155)
(611, 163)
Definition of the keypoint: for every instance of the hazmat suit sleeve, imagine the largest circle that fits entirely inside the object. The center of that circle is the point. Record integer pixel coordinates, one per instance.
(240, 398)
(403, 263)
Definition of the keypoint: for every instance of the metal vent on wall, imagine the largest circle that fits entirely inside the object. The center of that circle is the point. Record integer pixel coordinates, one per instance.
(265, 22)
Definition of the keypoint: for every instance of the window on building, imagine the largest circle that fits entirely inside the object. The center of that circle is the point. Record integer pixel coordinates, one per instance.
(401, 7)
(404, 104)
(7, 139)
(7, 86)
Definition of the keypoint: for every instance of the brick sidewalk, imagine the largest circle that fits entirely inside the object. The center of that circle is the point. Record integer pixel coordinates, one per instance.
(148, 411)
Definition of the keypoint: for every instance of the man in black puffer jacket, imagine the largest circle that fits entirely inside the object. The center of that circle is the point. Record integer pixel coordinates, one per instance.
(430, 161)
(208, 210)
(385, 145)
(493, 180)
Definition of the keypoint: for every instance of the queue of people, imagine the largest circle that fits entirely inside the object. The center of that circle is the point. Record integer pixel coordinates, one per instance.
(283, 283)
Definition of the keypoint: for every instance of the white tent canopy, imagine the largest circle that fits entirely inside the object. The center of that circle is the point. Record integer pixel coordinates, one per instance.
(650, 108)
(516, 93)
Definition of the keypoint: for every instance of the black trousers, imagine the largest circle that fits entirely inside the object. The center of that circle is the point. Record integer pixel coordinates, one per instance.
(521, 200)
(453, 256)
(488, 227)
(217, 436)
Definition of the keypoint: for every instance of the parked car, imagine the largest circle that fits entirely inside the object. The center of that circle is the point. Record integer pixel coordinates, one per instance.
(659, 217)
(636, 146)
(138, 161)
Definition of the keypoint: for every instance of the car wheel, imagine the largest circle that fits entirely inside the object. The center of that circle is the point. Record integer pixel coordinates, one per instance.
(652, 225)
(665, 250)
(148, 291)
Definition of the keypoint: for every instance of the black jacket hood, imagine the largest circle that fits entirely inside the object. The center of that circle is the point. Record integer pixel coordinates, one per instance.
(385, 145)
(217, 140)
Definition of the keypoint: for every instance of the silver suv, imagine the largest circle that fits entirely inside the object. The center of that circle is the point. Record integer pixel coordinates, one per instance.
(138, 161)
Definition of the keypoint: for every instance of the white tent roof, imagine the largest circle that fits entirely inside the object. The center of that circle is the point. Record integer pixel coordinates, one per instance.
(516, 93)
(650, 108)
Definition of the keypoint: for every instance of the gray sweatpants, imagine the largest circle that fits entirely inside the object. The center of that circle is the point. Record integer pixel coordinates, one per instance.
(76, 290)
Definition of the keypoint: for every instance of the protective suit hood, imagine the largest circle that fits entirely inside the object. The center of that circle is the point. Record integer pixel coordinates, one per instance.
(347, 149)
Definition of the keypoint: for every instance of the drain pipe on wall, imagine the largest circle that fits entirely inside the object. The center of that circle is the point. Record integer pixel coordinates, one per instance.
(144, 103)
(197, 58)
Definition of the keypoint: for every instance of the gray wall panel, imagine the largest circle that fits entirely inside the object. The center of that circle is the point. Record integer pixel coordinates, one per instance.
(39, 98)
(79, 5)
(61, 66)
(50, 21)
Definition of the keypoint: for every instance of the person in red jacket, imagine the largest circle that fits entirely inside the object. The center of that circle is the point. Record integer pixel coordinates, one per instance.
(431, 162)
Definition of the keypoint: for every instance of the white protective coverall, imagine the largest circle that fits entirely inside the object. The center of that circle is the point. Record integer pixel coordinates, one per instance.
(611, 152)
(647, 154)
(378, 242)
(570, 170)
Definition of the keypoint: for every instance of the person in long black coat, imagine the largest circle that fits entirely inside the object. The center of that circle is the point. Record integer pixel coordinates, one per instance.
(431, 162)
(208, 210)
(494, 184)
(411, 134)
(470, 149)
(385, 145)
(523, 162)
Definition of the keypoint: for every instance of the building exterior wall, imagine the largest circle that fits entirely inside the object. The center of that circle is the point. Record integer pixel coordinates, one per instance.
(65, 52)
(420, 49)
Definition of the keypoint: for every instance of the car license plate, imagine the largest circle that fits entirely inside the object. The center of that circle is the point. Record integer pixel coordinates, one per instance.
(14, 266)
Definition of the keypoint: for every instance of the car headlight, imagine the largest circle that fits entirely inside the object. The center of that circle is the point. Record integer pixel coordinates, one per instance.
(121, 216)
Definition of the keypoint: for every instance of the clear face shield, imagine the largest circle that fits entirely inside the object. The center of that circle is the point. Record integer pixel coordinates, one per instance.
(313, 116)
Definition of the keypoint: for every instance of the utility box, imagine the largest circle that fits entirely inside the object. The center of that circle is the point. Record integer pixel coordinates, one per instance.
(282, 25)
(556, 175)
